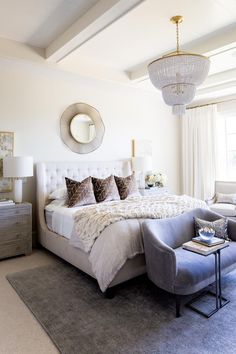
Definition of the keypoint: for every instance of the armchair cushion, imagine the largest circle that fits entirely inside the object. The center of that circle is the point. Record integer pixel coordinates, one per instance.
(196, 271)
(219, 226)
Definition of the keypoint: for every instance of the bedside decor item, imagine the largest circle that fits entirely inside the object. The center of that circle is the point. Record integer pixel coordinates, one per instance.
(18, 167)
(141, 165)
(6, 149)
(206, 233)
(156, 179)
(178, 73)
(82, 128)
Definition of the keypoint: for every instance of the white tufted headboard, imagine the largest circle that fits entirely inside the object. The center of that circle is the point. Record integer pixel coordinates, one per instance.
(51, 175)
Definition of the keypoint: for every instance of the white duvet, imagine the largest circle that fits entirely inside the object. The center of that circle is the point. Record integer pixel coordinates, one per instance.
(113, 238)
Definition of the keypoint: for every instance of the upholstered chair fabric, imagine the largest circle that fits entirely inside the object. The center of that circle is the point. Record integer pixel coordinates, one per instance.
(177, 270)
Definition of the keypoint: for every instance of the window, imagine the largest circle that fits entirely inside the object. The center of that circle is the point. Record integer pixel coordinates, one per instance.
(226, 146)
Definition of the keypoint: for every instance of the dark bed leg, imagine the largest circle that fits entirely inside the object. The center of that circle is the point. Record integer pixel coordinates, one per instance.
(109, 293)
(178, 305)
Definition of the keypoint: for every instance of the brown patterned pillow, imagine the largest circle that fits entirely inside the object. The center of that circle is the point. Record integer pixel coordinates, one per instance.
(105, 189)
(219, 226)
(127, 186)
(80, 193)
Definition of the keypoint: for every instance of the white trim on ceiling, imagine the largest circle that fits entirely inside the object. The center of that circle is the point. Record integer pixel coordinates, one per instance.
(101, 15)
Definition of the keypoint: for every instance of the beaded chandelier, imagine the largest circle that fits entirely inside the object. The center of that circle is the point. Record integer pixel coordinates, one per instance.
(178, 73)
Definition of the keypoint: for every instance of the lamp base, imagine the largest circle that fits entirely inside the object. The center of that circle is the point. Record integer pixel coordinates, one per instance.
(18, 190)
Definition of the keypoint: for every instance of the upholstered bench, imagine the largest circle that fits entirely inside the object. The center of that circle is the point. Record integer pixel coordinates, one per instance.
(175, 269)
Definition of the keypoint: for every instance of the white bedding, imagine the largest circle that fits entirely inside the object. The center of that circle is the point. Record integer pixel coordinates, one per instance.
(61, 218)
(117, 242)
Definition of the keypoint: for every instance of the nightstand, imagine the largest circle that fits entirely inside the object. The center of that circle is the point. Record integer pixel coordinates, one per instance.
(154, 191)
(15, 230)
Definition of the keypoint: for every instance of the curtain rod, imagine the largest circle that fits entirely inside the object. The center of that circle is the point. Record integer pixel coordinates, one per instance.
(209, 104)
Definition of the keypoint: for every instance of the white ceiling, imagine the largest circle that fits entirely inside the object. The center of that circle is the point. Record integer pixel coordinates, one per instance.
(123, 35)
(38, 22)
(146, 32)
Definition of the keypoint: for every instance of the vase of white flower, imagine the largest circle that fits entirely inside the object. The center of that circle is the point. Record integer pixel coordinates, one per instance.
(156, 179)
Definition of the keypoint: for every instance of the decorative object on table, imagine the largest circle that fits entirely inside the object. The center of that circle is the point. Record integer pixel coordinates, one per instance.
(6, 149)
(141, 165)
(178, 73)
(206, 233)
(18, 167)
(156, 179)
(82, 128)
(6, 201)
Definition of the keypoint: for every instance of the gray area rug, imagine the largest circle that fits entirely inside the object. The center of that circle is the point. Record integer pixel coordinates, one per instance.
(139, 319)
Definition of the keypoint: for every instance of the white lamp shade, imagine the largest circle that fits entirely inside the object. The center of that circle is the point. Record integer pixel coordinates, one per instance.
(142, 163)
(18, 166)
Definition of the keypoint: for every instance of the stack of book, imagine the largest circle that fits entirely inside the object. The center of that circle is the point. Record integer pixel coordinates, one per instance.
(5, 201)
(213, 241)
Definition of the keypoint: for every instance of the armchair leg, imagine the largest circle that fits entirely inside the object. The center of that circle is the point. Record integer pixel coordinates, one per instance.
(178, 305)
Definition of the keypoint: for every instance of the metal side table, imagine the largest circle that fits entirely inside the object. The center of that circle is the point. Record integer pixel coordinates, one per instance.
(220, 301)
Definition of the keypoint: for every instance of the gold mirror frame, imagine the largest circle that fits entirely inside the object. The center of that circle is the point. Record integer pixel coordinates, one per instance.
(68, 139)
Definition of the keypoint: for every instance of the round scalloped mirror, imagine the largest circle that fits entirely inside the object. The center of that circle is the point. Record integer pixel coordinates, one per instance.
(82, 128)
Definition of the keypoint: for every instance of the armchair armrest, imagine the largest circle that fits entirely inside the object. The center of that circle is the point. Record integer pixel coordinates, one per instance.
(211, 201)
(232, 229)
(160, 258)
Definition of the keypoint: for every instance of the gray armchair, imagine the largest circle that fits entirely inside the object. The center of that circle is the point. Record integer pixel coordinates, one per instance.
(174, 269)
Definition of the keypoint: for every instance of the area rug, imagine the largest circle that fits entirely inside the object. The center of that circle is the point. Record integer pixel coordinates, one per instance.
(140, 319)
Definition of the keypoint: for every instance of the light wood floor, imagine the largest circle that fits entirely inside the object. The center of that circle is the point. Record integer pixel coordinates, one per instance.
(20, 333)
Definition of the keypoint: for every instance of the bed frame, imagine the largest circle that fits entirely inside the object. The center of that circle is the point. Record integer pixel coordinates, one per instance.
(51, 175)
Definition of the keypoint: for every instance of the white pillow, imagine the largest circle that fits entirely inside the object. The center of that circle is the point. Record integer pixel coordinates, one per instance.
(59, 193)
(226, 198)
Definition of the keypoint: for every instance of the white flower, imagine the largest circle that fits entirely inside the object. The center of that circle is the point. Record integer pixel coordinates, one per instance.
(158, 179)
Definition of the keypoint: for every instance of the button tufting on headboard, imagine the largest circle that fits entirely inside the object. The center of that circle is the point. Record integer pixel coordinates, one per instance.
(51, 175)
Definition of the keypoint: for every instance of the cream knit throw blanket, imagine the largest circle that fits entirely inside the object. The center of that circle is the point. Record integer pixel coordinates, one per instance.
(92, 220)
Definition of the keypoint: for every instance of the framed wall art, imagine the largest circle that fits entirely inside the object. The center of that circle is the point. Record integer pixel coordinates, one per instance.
(6, 149)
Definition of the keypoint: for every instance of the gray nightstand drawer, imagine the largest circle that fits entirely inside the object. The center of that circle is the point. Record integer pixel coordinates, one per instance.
(13, 249)
(15, 230)
(14, 210)
(14, 236)
(14, 223)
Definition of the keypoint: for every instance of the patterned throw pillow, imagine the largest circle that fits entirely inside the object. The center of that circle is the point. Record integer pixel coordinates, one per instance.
(219, 226)
(105, 189)
(127, 186)
(80, 193)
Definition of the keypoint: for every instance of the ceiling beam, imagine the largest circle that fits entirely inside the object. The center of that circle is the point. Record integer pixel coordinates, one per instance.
(98, 17)
(205, 45)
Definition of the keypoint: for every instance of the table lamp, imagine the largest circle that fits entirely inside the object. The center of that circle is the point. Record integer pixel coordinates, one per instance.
(141, 165)
(18, 167)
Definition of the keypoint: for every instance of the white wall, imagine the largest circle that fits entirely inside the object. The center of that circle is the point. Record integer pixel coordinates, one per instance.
(33, 97)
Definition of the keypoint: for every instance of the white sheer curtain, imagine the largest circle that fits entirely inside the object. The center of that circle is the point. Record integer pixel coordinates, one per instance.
(198, 151)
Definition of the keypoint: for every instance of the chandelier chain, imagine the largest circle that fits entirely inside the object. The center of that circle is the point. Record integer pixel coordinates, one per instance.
(177, 36)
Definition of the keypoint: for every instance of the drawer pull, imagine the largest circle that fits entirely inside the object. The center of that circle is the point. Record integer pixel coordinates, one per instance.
(17, 248)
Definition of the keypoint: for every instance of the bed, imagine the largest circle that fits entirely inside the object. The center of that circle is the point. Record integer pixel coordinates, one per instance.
(117, 254)
(50, 175)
